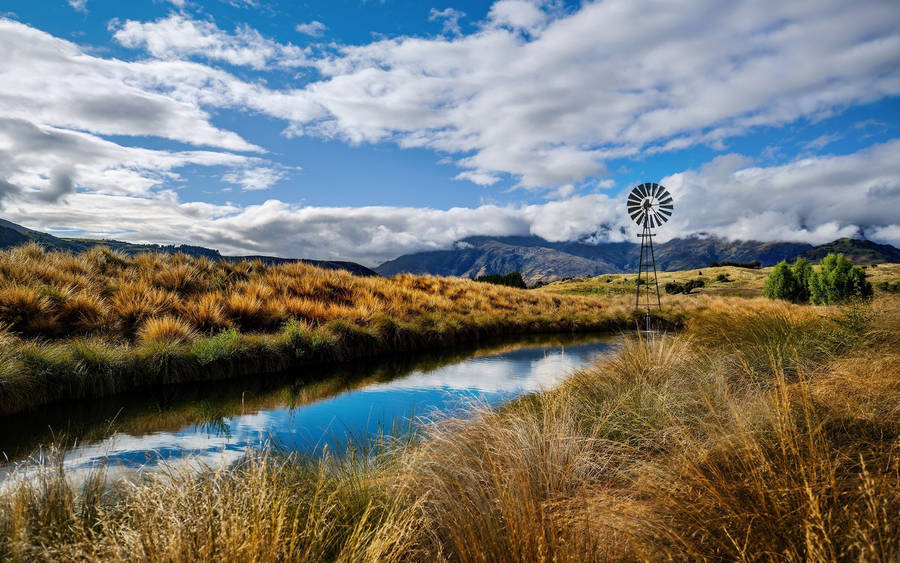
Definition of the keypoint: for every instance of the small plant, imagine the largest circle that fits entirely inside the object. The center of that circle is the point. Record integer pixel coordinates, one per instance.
(723, 278)
(219, 347)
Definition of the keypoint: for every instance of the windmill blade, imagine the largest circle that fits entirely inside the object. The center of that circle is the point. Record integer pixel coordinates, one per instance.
(642, 189)
(665, 214)
(656, 191)
(634, 196)
(641, 218)
(634, 214)
(660, 218)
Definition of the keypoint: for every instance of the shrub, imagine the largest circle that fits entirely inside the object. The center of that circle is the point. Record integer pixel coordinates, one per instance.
(674, 288)
(219, 347)
(512, 279)
(838, 280)
(723, 278)
(690, 285)
(781, 283)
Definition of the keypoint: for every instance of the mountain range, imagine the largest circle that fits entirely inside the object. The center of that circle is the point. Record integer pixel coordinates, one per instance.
(540, 260)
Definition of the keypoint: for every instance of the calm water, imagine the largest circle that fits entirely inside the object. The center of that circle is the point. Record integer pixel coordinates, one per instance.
(215, 423)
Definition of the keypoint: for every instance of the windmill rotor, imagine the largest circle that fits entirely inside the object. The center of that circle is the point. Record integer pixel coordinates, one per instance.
(649, 205)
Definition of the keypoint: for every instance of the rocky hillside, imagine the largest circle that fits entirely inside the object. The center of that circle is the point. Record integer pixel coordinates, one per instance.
(540, 261)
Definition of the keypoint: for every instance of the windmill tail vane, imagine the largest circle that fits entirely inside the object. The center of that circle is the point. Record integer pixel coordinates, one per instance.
(649, 205)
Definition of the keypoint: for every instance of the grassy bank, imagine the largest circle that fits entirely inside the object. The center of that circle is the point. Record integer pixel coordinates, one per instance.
(762, 431)
(100, 322)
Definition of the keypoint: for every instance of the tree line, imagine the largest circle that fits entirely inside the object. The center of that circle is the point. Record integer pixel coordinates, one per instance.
(837, 280)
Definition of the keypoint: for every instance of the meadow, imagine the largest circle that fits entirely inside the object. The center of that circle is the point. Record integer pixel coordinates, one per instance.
(720, 280)
(760, 431)
(102, 322)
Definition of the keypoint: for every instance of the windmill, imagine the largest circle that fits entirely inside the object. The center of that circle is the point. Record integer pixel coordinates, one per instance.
(649, 205)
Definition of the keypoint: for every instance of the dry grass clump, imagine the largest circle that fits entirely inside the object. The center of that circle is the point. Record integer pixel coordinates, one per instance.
(676, 448)
(165, 329)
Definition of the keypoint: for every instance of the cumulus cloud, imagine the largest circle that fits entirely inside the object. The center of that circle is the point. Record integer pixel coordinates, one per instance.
(549, 107)
(811, 199)
(314, 28)
(178, 36)
(544, 96)
(54, 82)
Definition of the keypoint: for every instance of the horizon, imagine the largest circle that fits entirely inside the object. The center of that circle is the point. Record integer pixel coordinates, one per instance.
(363, 131)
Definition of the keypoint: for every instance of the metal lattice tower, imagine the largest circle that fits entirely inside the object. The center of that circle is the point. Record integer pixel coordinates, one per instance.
(649, 205)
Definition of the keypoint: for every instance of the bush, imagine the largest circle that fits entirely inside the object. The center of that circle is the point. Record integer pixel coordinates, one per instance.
(781, 283)
(512, 279)
(691, 284)
(674, 288)
(838, 280)
(723, 278)
(219, 347)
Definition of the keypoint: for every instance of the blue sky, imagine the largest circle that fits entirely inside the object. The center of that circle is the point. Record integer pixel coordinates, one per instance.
(363, 130)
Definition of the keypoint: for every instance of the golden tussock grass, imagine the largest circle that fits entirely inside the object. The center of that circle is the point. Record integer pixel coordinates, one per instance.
(763, 431)
(51, 297)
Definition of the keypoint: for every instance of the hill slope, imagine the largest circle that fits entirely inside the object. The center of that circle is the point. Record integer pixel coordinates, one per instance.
(857, 250)
(12, 234)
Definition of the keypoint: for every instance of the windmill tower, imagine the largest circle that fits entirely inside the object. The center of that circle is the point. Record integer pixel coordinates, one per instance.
(649, 205)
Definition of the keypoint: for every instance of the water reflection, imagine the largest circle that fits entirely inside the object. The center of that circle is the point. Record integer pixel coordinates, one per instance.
(215, 423)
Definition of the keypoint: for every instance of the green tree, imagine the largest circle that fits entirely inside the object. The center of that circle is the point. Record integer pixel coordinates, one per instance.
(802, 273)
(781, 283)
(838, 280)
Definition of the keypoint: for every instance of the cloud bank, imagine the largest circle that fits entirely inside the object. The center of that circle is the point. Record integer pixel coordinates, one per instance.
(535, 93)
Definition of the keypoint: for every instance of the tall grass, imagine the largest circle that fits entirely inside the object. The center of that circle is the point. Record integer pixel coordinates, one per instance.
(158, 312)
(764, 431)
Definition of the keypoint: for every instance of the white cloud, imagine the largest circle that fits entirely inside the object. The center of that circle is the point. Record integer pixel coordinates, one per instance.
(260, 178)
(78, 5)
(313, 29)
(450, 19)
(518, 14)
(53, 82)
(551, 107)
(811, 199)
(178, 36)
(822, 141)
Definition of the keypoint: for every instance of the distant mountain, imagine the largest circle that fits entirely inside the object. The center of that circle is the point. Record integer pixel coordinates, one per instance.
(540, 261)
(858, 251)
(12, 234)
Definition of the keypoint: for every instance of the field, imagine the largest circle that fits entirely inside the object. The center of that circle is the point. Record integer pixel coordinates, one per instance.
(101, 322)
(741, 282)
(762, 430)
